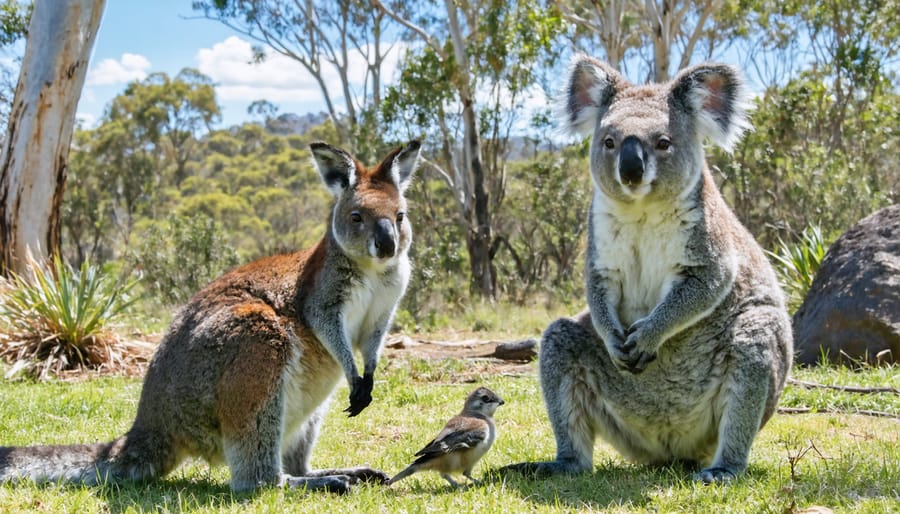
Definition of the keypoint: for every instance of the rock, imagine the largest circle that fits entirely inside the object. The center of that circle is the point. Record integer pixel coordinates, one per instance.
(525, 350)
(852, 310)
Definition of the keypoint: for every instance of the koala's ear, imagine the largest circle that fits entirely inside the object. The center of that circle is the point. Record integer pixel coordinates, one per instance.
(337, 167)
(716, 96)
(589, 91)
(400, 165)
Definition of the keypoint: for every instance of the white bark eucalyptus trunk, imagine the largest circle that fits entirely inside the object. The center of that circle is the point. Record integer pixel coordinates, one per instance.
(34, 153)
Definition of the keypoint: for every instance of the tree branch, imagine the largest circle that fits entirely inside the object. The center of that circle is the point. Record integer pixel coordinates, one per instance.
(809, 410)
(848, 389)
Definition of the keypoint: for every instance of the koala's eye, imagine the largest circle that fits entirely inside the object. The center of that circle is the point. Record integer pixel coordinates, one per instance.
(355, 217)
(400, 217)
(609, 143)
(663, 144)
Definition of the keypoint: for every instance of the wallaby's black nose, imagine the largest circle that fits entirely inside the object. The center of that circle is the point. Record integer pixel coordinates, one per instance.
(631, 161)
(384, 238)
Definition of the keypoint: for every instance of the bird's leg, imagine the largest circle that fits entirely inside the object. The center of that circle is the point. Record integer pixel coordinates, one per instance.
(448, 478)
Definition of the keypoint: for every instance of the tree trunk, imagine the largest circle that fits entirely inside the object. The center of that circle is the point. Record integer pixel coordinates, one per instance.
(34, 153)
(479, 237)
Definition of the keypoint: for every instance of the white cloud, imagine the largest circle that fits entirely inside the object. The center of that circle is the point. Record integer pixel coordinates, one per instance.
(111, 72)
(277, 78)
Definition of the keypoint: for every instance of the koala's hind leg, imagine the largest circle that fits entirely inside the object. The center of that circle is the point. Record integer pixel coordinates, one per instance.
(751, 389)
(576, 374)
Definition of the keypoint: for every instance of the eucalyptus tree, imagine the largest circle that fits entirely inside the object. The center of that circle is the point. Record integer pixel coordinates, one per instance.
(327, 38)
(35, 152)
(464, 85)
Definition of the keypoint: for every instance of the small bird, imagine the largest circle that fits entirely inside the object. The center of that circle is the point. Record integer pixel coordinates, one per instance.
(462, 442)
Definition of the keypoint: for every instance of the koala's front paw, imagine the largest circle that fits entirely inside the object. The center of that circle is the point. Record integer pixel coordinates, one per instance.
(639, 348)
(360, 394)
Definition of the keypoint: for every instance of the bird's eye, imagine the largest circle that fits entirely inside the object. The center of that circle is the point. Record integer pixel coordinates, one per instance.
(486, 399)
(663, 144)
(609, 143)
(355, 217)
(400, 217)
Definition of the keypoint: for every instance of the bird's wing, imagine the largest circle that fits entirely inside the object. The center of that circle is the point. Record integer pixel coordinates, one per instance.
(460, 433)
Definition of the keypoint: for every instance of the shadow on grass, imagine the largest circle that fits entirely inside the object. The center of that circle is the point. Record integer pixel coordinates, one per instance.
(611, 484)
(168, 495)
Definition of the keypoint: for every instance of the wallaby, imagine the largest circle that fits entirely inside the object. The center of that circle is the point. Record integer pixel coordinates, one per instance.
(685, 346)
(246, 369)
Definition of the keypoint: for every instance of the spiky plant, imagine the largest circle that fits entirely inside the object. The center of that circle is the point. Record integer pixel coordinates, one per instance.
(798, 263)
(54, 318)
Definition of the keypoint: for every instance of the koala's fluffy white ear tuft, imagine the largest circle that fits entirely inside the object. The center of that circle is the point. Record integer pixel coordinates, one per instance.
(337, 167)
(588, 93)
(716, 96)
(404, 164)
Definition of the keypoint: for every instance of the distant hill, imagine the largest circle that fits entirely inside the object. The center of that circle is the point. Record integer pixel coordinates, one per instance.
(289, 123)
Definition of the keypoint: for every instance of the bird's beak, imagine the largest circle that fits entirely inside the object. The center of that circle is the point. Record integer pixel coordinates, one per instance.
(501, 402)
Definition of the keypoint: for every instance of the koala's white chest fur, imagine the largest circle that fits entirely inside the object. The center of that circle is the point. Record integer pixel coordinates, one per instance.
(640, 249)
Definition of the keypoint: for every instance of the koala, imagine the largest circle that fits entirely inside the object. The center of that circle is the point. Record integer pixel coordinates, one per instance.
(686, 344)
(246, 370)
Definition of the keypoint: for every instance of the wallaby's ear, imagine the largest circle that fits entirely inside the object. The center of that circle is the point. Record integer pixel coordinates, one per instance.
(589, 91)
(716, 96)
(337, 167)
(404, 163)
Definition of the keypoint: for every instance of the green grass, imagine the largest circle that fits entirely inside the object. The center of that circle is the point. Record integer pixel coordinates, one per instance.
(849, 463)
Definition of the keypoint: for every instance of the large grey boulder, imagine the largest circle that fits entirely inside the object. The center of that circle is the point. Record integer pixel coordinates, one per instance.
(852, 310)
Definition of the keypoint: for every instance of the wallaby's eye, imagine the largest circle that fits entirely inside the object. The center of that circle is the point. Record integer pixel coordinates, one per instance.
(355, 217)
(663, 144)
(609, 143)
(400, 216)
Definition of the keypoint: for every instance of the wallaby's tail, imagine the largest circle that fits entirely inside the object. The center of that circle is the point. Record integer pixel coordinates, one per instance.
(126, 458)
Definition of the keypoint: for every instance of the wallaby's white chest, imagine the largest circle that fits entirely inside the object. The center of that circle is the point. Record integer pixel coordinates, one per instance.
(371, 299)
(640, 252)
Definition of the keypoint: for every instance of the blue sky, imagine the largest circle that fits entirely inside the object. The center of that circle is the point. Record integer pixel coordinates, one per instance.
(139, 37)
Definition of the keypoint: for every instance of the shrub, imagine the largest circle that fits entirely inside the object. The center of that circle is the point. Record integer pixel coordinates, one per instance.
(181, 255)
(56, 318)
(797, 264)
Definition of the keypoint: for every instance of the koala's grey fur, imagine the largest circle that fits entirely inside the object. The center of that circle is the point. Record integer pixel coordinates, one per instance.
(247, 368)
(686, 344)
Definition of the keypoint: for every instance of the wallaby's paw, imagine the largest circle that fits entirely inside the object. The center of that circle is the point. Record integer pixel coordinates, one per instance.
(339, 484)
(715, 475)
(360, 394)
(364, 474)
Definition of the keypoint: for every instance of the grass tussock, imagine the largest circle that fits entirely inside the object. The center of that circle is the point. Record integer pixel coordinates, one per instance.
(54, 319)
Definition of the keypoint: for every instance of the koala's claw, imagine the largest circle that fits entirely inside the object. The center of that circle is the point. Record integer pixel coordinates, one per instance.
(360, 394)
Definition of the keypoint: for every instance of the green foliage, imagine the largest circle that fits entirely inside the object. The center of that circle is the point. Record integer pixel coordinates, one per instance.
(14, 17)
(180, 255)
(55, 318)
(797, 264)
(806, 162)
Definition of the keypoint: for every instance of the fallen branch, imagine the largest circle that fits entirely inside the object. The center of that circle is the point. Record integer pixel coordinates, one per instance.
(847, 389)
(809, 410)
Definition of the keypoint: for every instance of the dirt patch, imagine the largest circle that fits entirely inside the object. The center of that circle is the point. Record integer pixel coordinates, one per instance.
(483, 354)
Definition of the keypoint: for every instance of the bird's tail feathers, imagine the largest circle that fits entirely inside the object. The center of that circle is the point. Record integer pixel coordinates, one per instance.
(412, 468)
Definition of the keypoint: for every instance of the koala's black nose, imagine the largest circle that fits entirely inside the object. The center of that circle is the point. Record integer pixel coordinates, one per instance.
(631, 161)
(384, 238)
